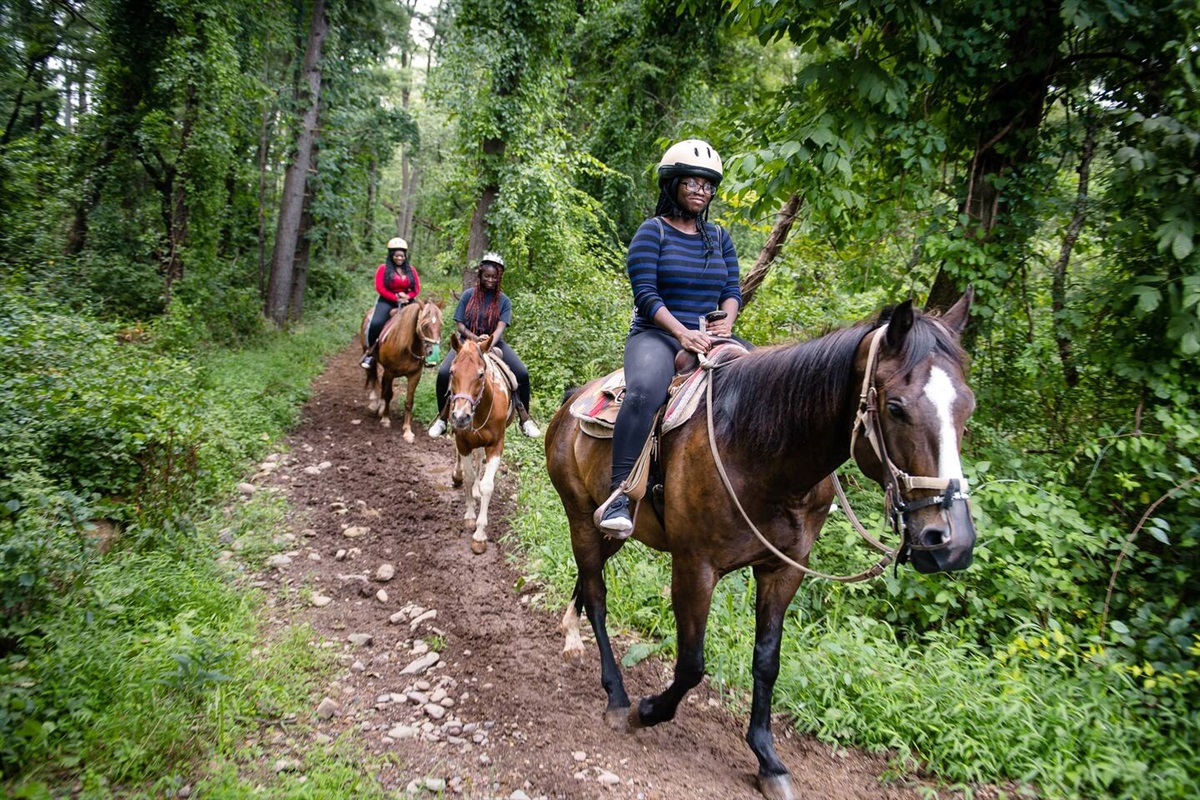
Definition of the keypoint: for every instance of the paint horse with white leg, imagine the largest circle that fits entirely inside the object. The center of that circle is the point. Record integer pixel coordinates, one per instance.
(480, 407)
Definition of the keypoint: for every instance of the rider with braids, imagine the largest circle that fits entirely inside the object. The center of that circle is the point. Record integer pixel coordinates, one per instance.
(397, 283)
(485, 310)
(681, 267)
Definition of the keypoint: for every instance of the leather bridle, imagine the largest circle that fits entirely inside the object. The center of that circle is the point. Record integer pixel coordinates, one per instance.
(898, 484)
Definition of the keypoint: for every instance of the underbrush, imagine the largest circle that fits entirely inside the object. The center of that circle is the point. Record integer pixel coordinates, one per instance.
(130, 649)
(899, 665)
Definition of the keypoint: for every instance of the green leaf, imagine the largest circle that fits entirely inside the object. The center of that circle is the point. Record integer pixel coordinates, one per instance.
(1182, 246)
(638, 653)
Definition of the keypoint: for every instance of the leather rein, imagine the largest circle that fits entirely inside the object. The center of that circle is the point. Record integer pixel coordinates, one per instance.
(897, 482)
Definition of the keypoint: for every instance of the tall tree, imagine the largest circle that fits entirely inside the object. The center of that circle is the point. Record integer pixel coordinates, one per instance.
(287, 230)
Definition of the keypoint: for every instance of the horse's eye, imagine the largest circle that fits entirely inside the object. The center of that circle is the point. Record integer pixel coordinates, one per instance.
(896, 409)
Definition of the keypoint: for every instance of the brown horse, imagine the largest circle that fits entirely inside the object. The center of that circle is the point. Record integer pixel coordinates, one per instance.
(404, 343)
(481, 407)
(746, 479)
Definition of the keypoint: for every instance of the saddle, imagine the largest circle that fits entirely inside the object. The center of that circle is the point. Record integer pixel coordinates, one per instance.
(597, 410)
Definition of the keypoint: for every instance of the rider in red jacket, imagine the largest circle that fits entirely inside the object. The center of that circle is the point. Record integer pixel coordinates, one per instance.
(397, 283)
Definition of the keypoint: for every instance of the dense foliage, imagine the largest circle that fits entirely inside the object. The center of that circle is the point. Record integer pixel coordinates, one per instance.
(1045, 153)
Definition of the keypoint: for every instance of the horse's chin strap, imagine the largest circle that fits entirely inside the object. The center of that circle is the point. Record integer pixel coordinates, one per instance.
(897, 483)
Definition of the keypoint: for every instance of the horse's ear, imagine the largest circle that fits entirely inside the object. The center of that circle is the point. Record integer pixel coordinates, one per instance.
(900, 324)
(485, 342)
(454, 342)
(956, 318)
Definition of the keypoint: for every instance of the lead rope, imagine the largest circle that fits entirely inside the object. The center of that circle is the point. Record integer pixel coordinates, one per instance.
(872, 572)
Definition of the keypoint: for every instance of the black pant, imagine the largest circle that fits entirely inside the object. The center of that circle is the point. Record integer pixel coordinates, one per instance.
(379, 318)
(649, 368)
(519, 371)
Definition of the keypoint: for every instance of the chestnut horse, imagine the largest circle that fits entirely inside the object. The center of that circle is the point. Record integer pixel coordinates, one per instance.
(481, 407)
(747, 480)
(404, 343)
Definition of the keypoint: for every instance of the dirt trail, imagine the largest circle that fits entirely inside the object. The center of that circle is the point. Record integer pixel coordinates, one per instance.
(516, 718)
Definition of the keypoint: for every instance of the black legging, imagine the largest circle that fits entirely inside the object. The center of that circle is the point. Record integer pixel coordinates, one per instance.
(519, 371)
(379, 318)
(649, 368)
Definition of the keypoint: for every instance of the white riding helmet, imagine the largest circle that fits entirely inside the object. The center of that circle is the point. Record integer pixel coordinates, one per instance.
(691, 157)
(493, 258)
(397, 243)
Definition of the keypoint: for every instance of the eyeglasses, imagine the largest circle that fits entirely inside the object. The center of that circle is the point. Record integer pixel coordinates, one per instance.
(699, 186)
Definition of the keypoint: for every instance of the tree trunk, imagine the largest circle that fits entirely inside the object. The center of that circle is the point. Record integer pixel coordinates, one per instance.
(1058, 289)
(287, 230)
(770, 250)
(300, 268)
(477, 238)
(1007, 138)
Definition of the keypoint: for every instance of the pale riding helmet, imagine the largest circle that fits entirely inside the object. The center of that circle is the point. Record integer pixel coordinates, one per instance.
(492, 258)
(396, 243)
(691, 157)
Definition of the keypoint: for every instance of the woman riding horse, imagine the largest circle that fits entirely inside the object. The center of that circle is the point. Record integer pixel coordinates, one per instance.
(397, 283)
(484, 310)
(681, 267)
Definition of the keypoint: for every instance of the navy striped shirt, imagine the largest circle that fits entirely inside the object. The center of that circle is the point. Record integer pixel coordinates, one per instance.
(667, 268)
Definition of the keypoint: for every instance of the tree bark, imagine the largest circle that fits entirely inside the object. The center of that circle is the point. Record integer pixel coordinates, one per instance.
(287, 230)
(300, 267)
(771, 249)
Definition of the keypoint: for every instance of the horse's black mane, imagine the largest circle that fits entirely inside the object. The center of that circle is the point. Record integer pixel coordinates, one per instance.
(773, 396)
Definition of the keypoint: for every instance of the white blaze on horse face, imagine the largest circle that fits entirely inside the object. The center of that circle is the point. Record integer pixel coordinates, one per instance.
(940, 391)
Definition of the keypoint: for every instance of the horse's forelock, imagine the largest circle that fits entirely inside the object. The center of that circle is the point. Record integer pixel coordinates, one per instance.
(927, 336)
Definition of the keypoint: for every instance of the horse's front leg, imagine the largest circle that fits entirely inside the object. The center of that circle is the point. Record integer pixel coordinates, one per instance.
(775, 590)
(410, 391)
(466, 466)
(487, 485)
(692, 583)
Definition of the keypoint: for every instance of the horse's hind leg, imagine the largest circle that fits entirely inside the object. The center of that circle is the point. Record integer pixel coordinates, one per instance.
(775, 590)
(591, 595)
(410, 389)
(386, 388)
(692, 584)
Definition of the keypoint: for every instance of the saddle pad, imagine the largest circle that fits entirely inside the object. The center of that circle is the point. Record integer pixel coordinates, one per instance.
(495, 360)
(600, 404)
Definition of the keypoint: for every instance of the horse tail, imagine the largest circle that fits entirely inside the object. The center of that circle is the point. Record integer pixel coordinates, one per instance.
(568, 393)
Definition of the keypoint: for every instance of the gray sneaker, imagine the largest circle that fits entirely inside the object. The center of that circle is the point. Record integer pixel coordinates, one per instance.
(616, 521)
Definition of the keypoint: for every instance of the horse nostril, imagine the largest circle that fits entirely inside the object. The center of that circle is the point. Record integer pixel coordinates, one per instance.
(935, 537)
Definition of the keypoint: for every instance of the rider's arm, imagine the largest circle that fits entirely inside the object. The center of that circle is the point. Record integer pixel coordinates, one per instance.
(384, 292)
(415, 288)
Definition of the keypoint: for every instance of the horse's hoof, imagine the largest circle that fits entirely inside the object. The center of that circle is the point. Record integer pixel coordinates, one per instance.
(478, 548)
(618, 718)
(468, 524)
(633, 719)
(386, 422)
(776, 787)
(574, 653)
(456, 481)
(408, 437)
